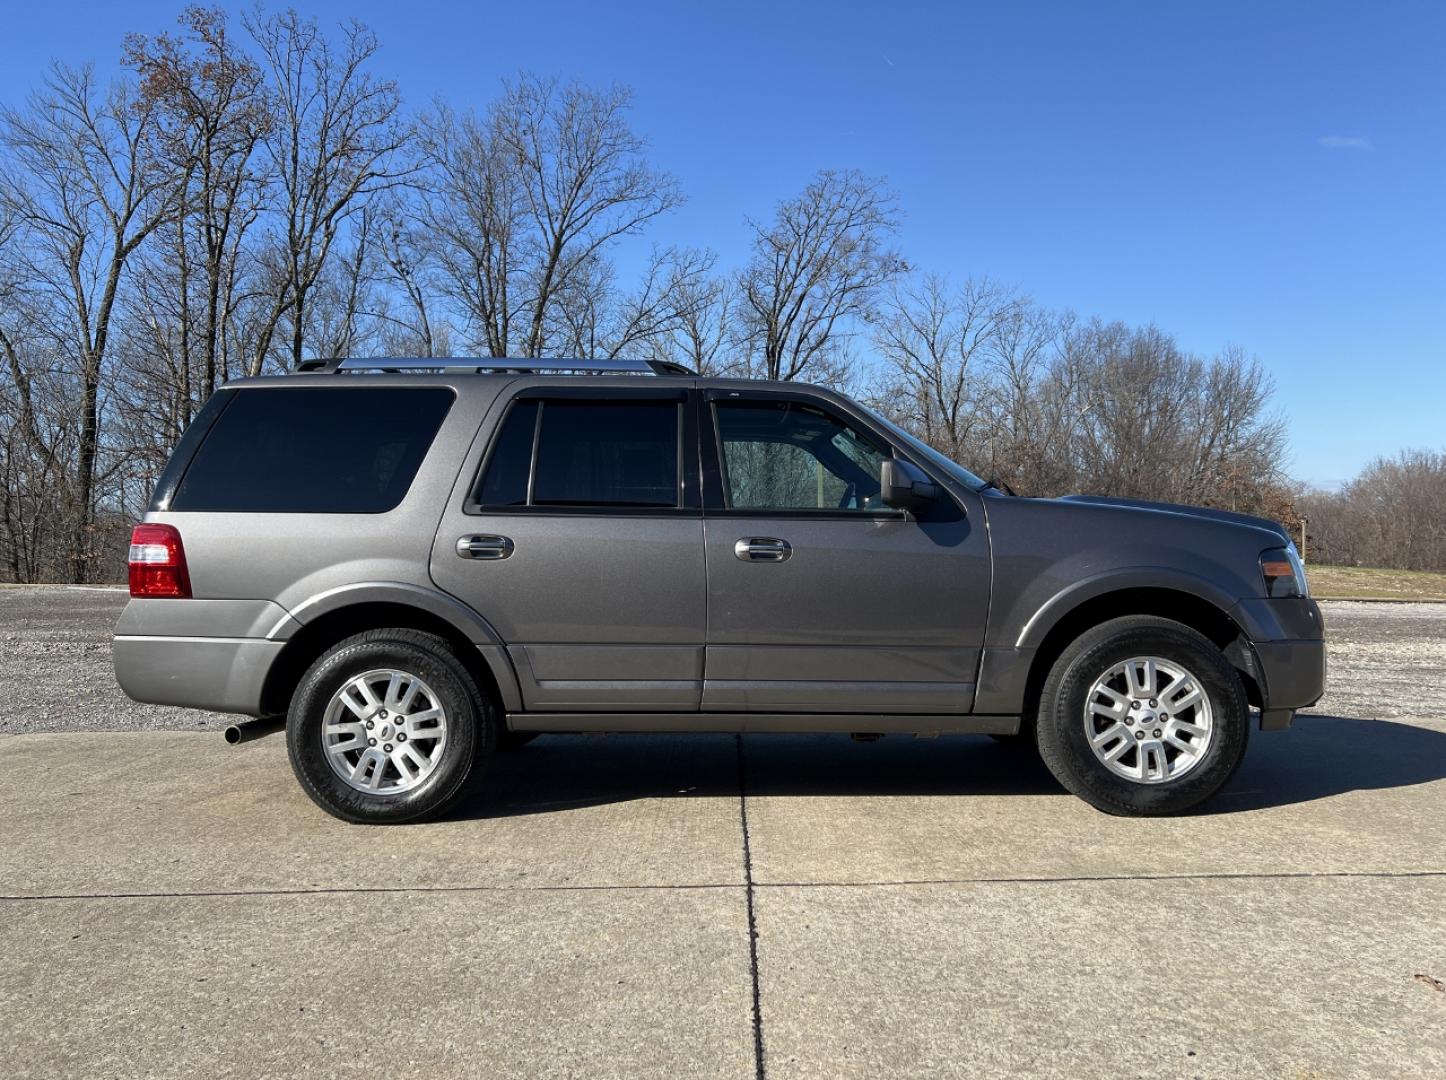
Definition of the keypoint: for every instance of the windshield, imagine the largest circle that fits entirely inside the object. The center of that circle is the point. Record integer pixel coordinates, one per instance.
(928, 453)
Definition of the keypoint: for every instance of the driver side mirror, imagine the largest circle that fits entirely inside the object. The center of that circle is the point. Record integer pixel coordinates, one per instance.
(905, 486)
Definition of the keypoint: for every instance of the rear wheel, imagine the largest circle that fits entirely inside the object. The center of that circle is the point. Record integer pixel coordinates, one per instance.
(387, 727)
(1143, 716)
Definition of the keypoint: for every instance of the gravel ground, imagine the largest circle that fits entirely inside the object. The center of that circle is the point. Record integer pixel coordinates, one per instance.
(1387, 661)
(56, 639)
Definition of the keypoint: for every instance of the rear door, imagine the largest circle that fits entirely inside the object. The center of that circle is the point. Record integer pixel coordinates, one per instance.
(820, 598)
(579, 537)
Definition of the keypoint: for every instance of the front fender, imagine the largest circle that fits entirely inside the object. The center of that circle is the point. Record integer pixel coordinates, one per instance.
(1046, 617)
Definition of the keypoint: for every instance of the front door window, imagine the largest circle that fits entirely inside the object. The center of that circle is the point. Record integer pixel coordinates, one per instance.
(786, 455)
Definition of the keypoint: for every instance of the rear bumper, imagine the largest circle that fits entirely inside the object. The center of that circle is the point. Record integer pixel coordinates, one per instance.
(220, 674)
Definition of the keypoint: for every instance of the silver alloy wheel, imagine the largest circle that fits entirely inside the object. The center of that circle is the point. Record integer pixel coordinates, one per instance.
(1148, 720)
(384, 731)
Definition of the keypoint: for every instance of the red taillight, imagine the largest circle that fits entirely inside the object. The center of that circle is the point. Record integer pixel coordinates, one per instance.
(158, 562)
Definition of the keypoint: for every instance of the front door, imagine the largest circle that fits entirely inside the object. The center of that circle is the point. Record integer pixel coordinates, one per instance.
(581, 542)
(820, 598)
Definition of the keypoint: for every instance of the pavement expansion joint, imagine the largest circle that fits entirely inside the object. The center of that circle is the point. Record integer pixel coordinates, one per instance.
(363, 890)
(1303, 875)
(750, 885)
(759, 1063)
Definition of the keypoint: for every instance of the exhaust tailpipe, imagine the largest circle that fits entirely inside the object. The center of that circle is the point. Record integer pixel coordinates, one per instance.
(254, 729)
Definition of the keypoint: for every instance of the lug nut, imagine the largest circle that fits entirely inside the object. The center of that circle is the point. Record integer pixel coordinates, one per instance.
(387, 748)
(401, 736)
(1157, 733)
(1152, 705)
(371, 742)
(383, 713)
(370, 725)
(1139, 734)
(1134, 704)
(1129, 721)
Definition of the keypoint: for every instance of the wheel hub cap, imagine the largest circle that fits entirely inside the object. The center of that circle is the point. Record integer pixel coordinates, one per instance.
(384, 731)
(1148, 720)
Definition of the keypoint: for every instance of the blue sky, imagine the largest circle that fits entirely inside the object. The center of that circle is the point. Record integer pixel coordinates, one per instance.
(1268, 175)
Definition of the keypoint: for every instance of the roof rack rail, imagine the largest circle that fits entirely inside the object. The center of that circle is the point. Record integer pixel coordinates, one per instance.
(491, 365)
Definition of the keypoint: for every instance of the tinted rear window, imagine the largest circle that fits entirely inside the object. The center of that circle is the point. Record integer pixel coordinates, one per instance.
(589, 453)
(314, 450)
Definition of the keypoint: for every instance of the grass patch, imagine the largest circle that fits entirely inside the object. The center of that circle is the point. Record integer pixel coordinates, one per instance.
(1368, 583)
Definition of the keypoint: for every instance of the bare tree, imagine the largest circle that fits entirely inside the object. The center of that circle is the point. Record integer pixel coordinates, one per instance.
(527, 199)
(473, 214)
(335, 141)
(705, 330)
(938, 340)
(407, 258)
(1393, 514)
(594, 318)
(343, 294)
(816, 268)
(1049, 405)
(87, 191)
(1030, 423)
(212, 110)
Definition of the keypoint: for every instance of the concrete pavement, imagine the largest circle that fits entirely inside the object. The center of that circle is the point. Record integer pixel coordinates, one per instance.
(176, 907)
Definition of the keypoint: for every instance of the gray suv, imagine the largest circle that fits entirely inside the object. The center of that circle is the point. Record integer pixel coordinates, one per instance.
(412, 564)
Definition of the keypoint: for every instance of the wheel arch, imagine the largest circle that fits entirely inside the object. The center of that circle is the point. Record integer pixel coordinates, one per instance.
(354, 611)
(1204, 615)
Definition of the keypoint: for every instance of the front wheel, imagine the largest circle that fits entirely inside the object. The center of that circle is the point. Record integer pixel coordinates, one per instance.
(1143, 716)
(387, 727)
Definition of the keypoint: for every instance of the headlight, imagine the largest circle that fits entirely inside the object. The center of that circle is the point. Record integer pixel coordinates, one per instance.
(1283, 572)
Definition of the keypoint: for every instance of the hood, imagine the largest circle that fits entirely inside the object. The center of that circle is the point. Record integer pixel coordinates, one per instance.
(1205, 512)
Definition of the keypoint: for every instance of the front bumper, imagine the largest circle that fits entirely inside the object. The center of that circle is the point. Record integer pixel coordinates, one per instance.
(1292, 676)
(1288, 639)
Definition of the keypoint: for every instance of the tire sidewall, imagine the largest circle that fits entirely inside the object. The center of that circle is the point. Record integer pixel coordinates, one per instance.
(468, 732)
(1062, 731)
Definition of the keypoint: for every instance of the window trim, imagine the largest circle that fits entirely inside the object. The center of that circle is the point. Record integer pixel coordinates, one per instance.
(688, 502)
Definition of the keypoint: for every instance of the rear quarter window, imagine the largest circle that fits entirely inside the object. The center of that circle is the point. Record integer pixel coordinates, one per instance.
(316, 450)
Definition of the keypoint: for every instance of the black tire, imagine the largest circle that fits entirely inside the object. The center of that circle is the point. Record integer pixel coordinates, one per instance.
(509, 742)
(472, 726)
(1064, 744)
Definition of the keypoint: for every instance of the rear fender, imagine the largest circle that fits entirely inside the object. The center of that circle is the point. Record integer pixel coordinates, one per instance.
(458, 615)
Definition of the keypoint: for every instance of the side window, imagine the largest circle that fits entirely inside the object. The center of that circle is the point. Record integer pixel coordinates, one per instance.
(510, 464)
(311, 449)
(785, 455)
(587, 453)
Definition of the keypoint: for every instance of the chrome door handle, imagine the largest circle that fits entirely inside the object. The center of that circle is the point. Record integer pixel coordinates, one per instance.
(484, 547)
(762, 549)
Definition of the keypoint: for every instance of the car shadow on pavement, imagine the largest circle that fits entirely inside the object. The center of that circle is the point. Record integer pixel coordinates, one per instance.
(1320, 756)
(562, 772)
